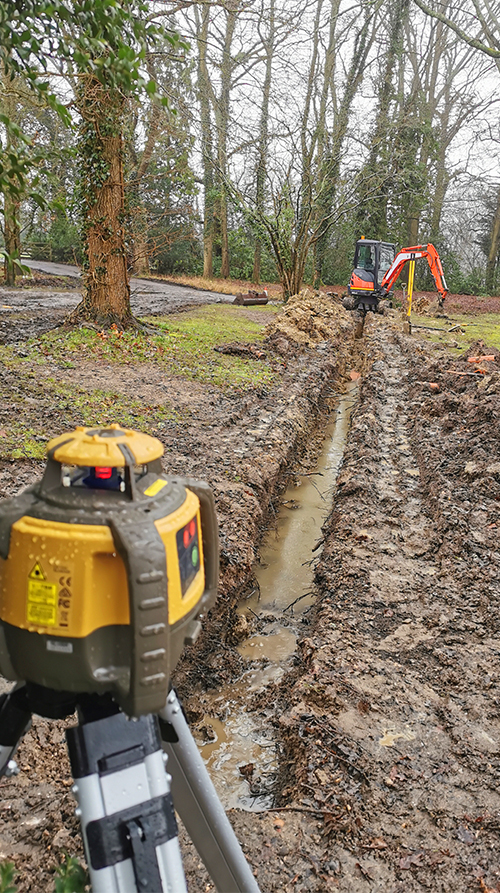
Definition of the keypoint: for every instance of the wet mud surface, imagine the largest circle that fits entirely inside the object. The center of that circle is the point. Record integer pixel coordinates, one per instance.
(386, 723)
(27, 312)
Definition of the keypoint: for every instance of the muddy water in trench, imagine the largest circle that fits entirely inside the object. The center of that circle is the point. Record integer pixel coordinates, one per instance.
(229, 737)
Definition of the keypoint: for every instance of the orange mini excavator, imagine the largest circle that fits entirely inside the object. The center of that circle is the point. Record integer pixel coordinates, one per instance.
(377, 266)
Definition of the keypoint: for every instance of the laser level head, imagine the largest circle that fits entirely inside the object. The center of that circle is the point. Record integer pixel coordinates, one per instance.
(107, 567)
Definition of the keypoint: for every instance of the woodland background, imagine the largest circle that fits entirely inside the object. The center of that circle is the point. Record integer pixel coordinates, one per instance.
(257, 139)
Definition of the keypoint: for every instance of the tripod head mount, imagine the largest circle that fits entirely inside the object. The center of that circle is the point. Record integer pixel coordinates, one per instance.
(107, 567)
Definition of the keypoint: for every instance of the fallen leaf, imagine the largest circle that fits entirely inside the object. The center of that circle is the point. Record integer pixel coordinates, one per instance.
(411, 859)
(354, 376)
(465, 835)
(364, 872)
(376, 843)
(363, 706)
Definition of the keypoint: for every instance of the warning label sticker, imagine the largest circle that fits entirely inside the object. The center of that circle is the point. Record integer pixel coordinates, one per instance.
(37, 572)
(42, 598)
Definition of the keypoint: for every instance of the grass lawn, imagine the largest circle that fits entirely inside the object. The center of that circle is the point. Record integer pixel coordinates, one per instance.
(482, 327)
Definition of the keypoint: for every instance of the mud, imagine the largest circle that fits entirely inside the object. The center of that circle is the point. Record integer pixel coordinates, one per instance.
(36, 305)
(387, 724)
(270, 620)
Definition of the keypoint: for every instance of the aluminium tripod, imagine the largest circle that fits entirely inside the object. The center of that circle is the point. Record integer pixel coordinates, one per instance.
(125, 796)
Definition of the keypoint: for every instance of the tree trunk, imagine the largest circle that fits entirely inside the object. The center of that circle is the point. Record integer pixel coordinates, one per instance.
(442, 182)
(12, 235)
(263, 138)
(11, 201)
(106, 296)
(106, 284)
(491, 264)
(206, 140)
(138, 215)
(221, 110)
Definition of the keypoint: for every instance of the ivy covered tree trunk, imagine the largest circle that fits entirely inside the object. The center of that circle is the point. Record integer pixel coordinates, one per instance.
(11, 195)
(494, 248)
(203, 22)
(106, 295)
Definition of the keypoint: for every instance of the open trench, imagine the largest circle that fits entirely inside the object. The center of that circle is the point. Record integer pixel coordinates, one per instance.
(239, 751)
(384, 725)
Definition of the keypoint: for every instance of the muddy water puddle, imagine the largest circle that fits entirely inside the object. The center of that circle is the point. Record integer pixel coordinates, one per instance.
(239, 750)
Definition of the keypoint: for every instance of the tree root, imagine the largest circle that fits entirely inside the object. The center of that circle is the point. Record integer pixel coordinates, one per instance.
(83, 318)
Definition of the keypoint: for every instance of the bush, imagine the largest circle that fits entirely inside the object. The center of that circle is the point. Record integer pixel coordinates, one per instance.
(459, 282)
(241, 255)
(184, 256)
(61, 244)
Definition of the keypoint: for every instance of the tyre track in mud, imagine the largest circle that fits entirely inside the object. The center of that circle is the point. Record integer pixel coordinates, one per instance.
(394, 730)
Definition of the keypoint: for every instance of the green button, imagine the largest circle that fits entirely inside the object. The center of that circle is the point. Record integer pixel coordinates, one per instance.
(194, 556)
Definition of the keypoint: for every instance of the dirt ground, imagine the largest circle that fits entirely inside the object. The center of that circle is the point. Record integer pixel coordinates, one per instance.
(387, 723)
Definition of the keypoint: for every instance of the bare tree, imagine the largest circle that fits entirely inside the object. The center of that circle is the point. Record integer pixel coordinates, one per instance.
(482, 13)
(372, 213)
(159, 183)
(478, 26)
(268, 43)
(330, 158)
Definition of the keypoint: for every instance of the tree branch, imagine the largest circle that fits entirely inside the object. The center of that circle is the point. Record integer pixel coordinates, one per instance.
(472, 41)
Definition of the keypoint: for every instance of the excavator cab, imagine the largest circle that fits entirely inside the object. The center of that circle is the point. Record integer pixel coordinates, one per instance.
(372, 260)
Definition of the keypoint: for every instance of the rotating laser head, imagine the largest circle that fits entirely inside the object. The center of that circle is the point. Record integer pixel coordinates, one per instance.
(106, 568)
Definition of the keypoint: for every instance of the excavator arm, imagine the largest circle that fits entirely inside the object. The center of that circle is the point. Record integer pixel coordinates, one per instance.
(413, 253)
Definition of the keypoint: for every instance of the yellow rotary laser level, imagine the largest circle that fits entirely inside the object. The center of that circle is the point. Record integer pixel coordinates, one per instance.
(106, 567)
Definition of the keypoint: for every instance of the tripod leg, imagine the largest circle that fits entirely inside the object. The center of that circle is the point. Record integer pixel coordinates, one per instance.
(15, 720)
(125, 807)
(199, 807)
